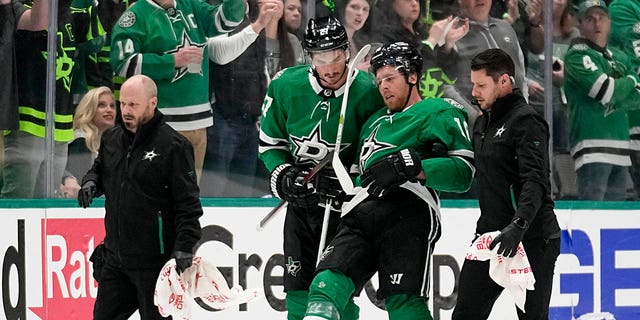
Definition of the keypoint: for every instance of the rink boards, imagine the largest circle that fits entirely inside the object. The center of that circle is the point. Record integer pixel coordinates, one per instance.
(46, 273)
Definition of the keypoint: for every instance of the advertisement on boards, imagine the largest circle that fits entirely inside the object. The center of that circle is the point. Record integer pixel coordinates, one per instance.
(46, 273)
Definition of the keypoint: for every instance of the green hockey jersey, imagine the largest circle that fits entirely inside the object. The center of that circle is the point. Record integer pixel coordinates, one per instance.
(299, 120)
(625, 35)
(417, 127)
(600, 87)
(145, 38)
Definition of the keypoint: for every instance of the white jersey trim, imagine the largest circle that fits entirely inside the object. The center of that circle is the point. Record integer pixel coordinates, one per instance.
(618, 160)
(590, 143)
(125, 67)
(191, 125)
(186, 110)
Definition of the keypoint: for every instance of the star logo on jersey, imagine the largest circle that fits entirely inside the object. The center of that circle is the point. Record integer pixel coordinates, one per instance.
(313, 148)
(500, 131)
(186, 42)
(293, 267)
(149, 155)
(372, 145)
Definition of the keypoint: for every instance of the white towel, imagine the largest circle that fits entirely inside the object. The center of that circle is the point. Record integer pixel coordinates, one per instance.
(513, 274)
(201, 282)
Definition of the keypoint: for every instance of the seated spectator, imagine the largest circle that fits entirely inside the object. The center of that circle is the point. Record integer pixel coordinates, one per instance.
(95, 114)
(283, 48)
(601, 86)
(398, 20)
(354, 15)
(293, 17)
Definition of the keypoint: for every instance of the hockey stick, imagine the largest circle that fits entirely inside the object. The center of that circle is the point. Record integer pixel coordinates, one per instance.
(325, 228)
(341, 172)
(326, 160)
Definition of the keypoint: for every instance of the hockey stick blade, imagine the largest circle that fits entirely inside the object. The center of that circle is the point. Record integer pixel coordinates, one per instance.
(341, 172)
(326, 160)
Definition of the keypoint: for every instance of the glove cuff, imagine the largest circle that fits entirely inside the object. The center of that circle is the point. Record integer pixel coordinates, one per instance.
(276, 177)
(520, 223)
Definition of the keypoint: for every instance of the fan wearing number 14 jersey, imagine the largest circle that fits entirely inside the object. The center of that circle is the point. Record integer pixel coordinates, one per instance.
(298, 128)
(407, 151)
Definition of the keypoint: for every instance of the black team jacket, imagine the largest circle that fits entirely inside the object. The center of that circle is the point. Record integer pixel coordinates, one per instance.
(510, 144)
(151, 195)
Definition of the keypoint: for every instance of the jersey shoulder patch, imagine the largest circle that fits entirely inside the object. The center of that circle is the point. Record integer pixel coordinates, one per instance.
(454, 103)
(636, 28)
(127, 20)
(580, 47)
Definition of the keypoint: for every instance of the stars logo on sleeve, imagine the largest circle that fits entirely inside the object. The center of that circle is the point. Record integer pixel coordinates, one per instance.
(500, 131)
(293, 267)
(150, 155)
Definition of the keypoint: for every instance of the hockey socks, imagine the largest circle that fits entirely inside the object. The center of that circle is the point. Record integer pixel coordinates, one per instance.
(296, 303)
(330, 297)
(407, 307)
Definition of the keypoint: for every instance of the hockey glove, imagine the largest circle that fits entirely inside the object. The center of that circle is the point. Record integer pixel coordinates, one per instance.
(391, 171)
(86, 193)
(184, 260)
(286, 184)
(510, 237)
(328, 187)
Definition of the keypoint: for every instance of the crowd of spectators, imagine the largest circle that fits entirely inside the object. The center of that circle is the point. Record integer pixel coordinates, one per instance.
(213, 60)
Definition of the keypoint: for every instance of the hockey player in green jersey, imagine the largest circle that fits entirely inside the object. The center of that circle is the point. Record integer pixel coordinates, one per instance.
(407, 151)
(601, 87)
(165, 40)
(298, 129)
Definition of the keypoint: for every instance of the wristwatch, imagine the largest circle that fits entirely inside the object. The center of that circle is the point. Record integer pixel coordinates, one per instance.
(521, 223)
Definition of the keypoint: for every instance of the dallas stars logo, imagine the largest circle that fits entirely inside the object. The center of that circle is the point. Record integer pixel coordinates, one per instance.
(372, 145)
(313, 147)
(186, 42)
(500, 131)
(149, 155)
(293, 267)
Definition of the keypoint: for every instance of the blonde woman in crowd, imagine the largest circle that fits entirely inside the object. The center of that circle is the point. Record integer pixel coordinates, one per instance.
(95, 114)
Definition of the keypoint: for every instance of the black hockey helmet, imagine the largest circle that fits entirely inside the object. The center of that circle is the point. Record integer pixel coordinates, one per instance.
(325, 33)
(399, 54)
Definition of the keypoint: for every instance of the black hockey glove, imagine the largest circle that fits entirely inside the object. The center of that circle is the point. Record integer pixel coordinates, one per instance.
(391, 171)
(286, 184)
(184, 260)
(86, 193)
(510, 237)
(328, 186)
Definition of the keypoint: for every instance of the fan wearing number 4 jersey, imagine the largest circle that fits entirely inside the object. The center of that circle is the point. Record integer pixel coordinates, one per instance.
(408, 151)
(601, 85)
(298, 128)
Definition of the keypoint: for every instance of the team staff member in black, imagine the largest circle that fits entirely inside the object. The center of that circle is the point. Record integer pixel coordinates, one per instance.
(510, 143)
(146, 171)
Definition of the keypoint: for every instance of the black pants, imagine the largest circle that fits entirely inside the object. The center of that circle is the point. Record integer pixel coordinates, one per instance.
(122, 292)
(477, 292)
